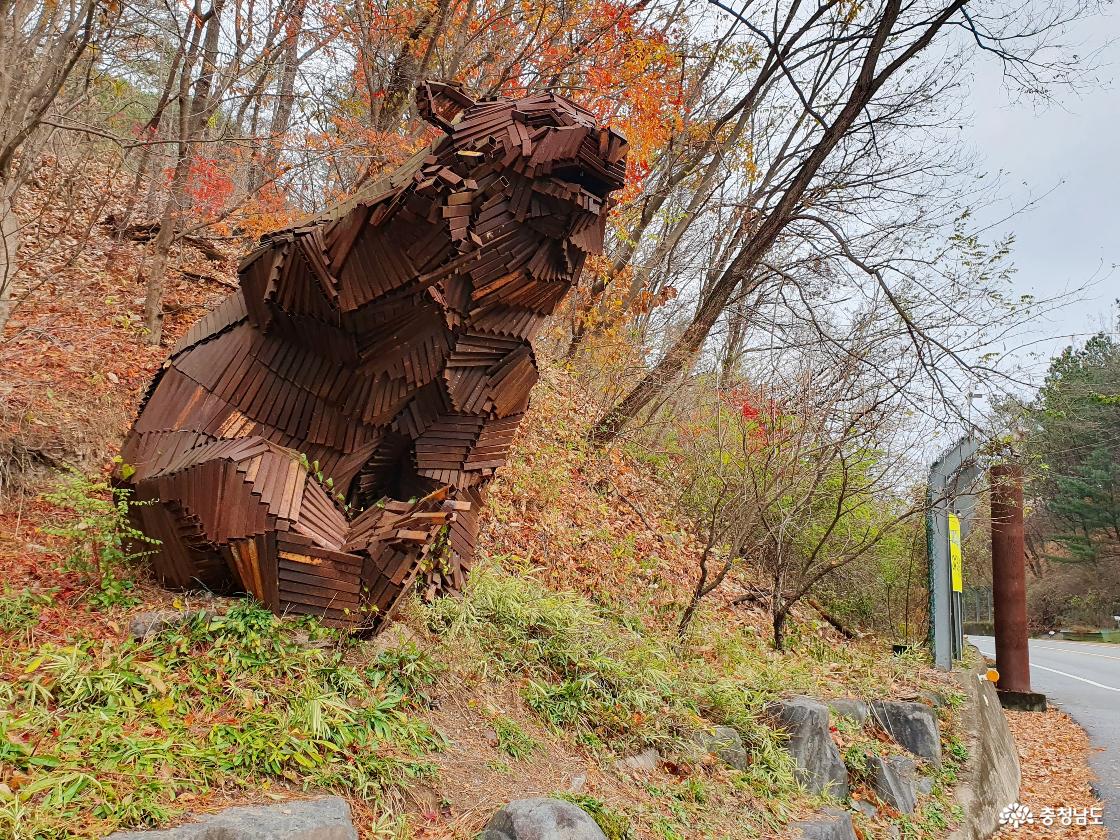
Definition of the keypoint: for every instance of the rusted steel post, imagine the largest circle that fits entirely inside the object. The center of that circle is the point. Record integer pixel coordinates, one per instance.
(1009, 584)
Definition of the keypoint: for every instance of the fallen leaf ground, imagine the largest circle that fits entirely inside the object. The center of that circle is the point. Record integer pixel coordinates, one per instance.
(1054, 754)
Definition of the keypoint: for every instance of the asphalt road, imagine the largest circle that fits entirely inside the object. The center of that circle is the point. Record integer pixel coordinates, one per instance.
(1083, 679)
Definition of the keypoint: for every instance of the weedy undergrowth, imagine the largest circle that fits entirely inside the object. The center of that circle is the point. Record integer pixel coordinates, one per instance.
(615, 824)
(512, 739)
(19, 611)
(98, 736)
(588, 672)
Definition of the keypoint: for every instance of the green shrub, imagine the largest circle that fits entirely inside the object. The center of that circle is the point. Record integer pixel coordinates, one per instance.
(103, 545)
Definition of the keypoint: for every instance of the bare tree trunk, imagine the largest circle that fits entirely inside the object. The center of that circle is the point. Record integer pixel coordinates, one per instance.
(703, 588)
(161, 252)
(152, 129)
(835, 622)
(40, 46)
(740, 319)
(285, 99)
(9, 246)
(779, 604)
(408, 66)
(909, 580)
(779, 625)
(690, 610)
(679, 358)
(157, 275)
(192, 126)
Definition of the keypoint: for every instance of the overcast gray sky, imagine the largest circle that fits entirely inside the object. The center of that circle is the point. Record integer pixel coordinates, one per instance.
(1069, 150)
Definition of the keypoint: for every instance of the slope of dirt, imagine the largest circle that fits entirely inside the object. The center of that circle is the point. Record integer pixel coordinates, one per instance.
(74, 359)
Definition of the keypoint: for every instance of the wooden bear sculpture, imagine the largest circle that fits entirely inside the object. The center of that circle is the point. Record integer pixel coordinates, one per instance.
(324, 436)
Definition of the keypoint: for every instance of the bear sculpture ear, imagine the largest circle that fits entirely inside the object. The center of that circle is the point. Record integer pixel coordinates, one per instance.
(441, 103)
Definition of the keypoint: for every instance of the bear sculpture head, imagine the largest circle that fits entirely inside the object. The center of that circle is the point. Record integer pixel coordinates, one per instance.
(545, 142)
(499, 212)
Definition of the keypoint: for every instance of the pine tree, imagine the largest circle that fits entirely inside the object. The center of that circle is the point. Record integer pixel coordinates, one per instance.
(1076, 438)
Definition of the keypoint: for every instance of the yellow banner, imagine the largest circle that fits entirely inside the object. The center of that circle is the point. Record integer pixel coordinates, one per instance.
(955, 562)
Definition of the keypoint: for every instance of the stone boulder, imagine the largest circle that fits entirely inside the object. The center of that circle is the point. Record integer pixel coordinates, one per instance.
(724, 743)
(641, 763)
(819, 766)
(911, 725)
(848, 707)
(893, 781)
(862, 806)
(832, 824)
(327, 818)
(145, 625)
(933, 698)
(542, 819)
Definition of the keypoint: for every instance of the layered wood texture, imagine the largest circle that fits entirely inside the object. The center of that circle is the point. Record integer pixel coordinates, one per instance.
(324, 437)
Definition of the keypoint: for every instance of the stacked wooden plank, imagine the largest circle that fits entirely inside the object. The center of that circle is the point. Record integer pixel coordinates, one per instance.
(324, 437)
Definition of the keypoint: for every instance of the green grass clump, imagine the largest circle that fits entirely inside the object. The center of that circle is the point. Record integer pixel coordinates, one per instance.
(931, 820)
(411, 670)
(512, 739)
(100, 736)
(582, 670)
(19, 611)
